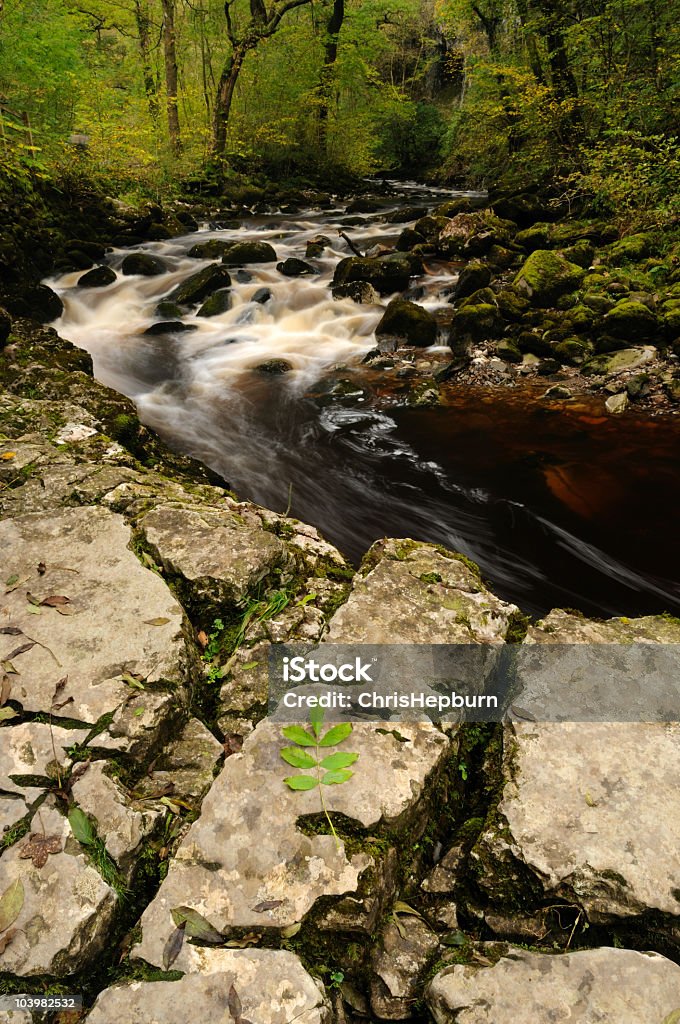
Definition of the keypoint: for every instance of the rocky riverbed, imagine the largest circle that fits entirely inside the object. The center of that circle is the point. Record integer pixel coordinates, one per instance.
(152, 857)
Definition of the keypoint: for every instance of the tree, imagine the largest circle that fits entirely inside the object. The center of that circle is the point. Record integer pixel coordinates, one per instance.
(333, 26)
(171, 75)
(143, 22)
(262, 24)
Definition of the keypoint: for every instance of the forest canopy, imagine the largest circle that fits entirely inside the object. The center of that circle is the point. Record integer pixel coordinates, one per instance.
(141, 94)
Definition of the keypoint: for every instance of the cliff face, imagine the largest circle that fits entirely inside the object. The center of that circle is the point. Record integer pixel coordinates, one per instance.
(141, 787)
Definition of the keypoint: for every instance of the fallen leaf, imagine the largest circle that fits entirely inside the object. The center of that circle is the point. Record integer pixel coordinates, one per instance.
(59, 687)
(62, 704)
(266, 905)
(202, 638)
(21, 650)
(403, 908)
(11, 580)
(160, 621)
(38, 847)
(55, 600)
(7, 713)
(7, 666)
(6, 939)
(81, 826)
(133, 681)
(8, 456)
(5, 689)
(65, 609)
(33, 609)
(291, 930)
(32, 599)
(173, 947)
(42, 568)
(11, 631)
(18, 583)
(196, 925)
(234, 1003)
(251, 939)
(11, 902)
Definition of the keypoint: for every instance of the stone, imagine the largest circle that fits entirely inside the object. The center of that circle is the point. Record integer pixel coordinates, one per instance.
(446, 875)
(216, 304)
(508, 352)
(607, 364)
(12, 810)
(473, 276)
(546, 276)
(475, 323)
(199, 286)
(572, 351)
(403, 954)
(585, 987)
(293, 267)
(144, 264)
(262, 295)
(247, 685)
(111, 627)
(122, 828)
(187, 763)
(631, 321)
(387, 274)
(39, 303)
(400, 600)
(214, 249)
(274, 367)
(34, 749)
(408, 322)
(272, 986)
(409, 239)
(67, 909)
(246, 850)
(405, 214)
(214, 555)
(358, 291)
(169, 327)
(558, 392)
(631, 248)
(240, 253)
(616, 404)
(98, 277)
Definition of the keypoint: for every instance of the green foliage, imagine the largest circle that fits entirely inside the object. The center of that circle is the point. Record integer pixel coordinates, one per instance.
(330, 769)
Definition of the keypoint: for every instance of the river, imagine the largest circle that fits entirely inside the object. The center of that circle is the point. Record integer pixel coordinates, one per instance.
(560, 506)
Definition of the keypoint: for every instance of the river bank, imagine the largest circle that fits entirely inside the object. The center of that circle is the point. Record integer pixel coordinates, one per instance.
(151, 853)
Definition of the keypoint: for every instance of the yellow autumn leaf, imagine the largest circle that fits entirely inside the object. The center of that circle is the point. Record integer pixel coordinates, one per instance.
(6, 456)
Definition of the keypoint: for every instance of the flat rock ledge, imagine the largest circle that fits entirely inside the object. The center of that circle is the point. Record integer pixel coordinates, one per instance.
(272, 988)
(620, 986)
(246, 864)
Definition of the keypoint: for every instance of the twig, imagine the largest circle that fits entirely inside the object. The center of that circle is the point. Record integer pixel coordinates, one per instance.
(357, 252)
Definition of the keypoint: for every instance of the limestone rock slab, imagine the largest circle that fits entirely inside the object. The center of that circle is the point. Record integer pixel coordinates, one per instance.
(592, 808)
(403, 954)
(219, 556)
(586, 987)
(67, 909)
(33, 749)
(122, 617)
(417, 594)
(561, 627)
(244, 863)
(272, 986)
(187, 763)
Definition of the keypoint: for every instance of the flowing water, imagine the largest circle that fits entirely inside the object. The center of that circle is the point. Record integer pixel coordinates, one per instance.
(559, 507)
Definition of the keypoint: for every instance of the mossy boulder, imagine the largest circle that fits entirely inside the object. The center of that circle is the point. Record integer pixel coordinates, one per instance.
(241, 253)
(630, 321)
(293, 267)
(512, 305)
(200, 285)
(358, 291)
(581, 253)
(579, 319)
(598, 303)
(214, 249)
(143, 264)
(216, 304)
(632, 248)
(473, 234)
(616, 362)
(463, 204)
(475, 323)
(472, 277)
(274, 367)
(430, 227)
(535, 344)
(572, 351)
(481, 296)
(538, 236)
(408, 322)
(508, 352)
(546, 276)
(387, 274)
(405, 214)
(98, 277)
(409, 239)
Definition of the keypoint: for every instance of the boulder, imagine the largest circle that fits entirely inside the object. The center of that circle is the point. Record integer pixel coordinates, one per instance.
(315, 246)
(631, 248)
(199, 286)
(473, 276)
(262, 295)
(293, 267)
(475, 323)
(170, 327)
(357, 291)
(472, 234)
(409, 239)
(240, 253)
(144, 264)
(98, 277)
(405, 214)
(616, 362)
(187, 764)
(572, 351)
(216, 304)
(630, 321)
(585, 987)
(616, 404)
(214, 249)
(546, 276)
(508, 352)
(274, 367)
(408, 322)
(387, 274)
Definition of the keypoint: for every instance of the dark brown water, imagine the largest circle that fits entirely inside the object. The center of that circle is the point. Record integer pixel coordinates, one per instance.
(559, 504)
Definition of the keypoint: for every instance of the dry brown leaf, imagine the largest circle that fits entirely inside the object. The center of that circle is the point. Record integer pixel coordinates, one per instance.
(160, 621)
(202, 638)
(42, 568)
(55, 600)
(6, 939)
(266, 905)
(38, 847)
(20, 650)
(11, 630)
(5, 689)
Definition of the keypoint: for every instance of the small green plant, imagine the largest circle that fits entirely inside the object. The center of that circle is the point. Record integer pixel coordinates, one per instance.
(308, 754)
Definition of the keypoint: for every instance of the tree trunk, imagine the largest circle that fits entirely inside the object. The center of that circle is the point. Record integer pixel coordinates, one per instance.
(333, 27)
(225, 96)
(170, 49)
(144, 35)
